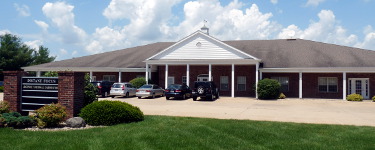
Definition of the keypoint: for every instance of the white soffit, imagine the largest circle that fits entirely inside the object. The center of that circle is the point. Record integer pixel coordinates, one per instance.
(200, 46)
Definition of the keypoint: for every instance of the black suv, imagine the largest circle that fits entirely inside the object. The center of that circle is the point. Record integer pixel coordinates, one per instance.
(104, 87)
(205, 89)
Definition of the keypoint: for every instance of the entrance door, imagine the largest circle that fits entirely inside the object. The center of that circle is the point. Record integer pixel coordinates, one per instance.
(359, 86)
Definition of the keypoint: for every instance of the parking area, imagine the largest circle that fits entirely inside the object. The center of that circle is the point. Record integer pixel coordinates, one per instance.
(321, 111)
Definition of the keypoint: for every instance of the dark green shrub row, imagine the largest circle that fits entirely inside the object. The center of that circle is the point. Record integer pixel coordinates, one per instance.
(268, 89)
(15, 120)
(354, 97)
(110, 113)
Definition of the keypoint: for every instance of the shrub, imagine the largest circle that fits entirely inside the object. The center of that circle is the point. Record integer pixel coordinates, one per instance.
(138, 82)
(282, 96)
(51, 74)
(4, 107)
(110, 113)
(15, 120)
(1, 88)
(50, 115)
(354, 97)
(90, 91)
(373, 99)
(268, 89)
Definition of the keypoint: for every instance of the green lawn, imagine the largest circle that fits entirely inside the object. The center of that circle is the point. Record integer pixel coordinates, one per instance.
(160, 132)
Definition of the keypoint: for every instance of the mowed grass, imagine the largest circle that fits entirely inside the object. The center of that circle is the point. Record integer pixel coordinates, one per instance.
(161, 132)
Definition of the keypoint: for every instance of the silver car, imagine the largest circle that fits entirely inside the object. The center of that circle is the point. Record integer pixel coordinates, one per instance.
(149, 90)
(122, 89)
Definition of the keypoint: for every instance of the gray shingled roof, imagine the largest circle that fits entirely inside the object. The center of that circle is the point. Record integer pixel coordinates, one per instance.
(283, 53)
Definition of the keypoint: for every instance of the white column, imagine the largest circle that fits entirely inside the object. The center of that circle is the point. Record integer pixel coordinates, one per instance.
(119, 75)
(146, 73)
(232, 88)
(150, 72)
(38, 74)
(187, 74)
(300, 85)
(90, 76)
(209, 72)
(344, 86)
(256, 79)
(166, 75)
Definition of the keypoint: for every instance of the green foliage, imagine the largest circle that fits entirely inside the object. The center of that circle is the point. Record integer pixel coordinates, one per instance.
(282, 96)
(268, 89)
(354, 97)
(90, 91)
(51, 74)
(14, 54)
(50, 115)
(138, 82)
(15, 120)
(1, 88)
(373, 98)
(4, 107)
(110, 113)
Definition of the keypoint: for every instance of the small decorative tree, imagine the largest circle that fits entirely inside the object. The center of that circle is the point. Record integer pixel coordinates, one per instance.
(90, 91)
(268, 89)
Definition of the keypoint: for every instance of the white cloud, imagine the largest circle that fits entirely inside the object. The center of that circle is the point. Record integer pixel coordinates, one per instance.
(108, 37)
(23, 10)
(314, 2)
(42, 25)
(62, 17)
(34, 44)
(74, 53)
(63, 51)
(2, 32)
(274, 1)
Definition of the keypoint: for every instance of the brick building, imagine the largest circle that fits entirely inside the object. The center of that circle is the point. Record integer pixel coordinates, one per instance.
(305, 69)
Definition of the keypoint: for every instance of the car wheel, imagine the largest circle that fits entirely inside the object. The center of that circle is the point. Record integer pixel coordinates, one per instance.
(183, 97)
(200, 89)
(167, 98)
(194, 98)
(127, 95)
(113, 96)
(139, 97)
(217, 95)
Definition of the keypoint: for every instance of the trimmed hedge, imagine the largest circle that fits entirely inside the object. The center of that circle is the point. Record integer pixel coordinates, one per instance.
(138, 82)
(268, 89)
(354, 97)
(110, 113)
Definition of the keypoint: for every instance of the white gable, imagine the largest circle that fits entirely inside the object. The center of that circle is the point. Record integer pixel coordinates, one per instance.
(200, 46)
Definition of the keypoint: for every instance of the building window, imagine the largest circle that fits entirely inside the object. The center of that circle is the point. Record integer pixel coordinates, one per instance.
(224, 84)
(93, 78)
(328, 84)
(111, 78)
(284, 82)
(241, 83)
(183, 79)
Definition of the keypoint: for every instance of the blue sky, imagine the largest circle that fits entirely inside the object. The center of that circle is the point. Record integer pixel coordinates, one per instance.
(71, 28)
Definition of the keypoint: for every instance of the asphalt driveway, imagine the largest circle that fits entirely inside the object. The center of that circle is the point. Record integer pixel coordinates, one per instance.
(321, 111)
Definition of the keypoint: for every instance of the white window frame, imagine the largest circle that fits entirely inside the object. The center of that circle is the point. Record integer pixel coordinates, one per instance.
(327, 83)
(240, 83)
(113, 77)
(93, 78)
(224, 82)
(280, 80)
(170, 78)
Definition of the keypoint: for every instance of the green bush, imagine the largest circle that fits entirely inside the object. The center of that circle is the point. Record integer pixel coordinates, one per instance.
(1, 88)
(373, 99)
(282, 96)
(4, 107)
(50, 115)
(15, 120)
(51, 74)
(110, 113)
(138, 82)
(268, 89)
(354, 97)
(90, 91)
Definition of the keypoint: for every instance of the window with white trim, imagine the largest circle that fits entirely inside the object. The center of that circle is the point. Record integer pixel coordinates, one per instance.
(224, 83)
(111, 78)
(93, 78)
(284, 82)
(183, 79)
(328, 84)
(241, 83)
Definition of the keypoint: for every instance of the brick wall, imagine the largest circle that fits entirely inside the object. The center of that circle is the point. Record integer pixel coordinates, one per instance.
(293, 82)
(71, 91)
(12, 89)
(310, 87)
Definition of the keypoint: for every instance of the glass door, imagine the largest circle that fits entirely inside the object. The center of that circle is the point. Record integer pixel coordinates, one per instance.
(359, 86)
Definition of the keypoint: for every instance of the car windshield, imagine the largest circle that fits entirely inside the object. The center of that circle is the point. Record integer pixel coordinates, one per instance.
(146, 87)
(117, 85)
(174, 86)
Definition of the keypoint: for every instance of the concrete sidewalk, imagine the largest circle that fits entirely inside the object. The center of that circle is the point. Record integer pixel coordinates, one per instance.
(320, 111)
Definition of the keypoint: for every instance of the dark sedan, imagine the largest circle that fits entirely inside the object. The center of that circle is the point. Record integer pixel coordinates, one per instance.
(177, 91)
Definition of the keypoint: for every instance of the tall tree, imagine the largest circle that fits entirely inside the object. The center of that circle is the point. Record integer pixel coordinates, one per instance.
(14, 54)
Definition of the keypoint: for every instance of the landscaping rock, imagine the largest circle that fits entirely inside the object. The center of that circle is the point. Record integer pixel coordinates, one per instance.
(75, 122)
